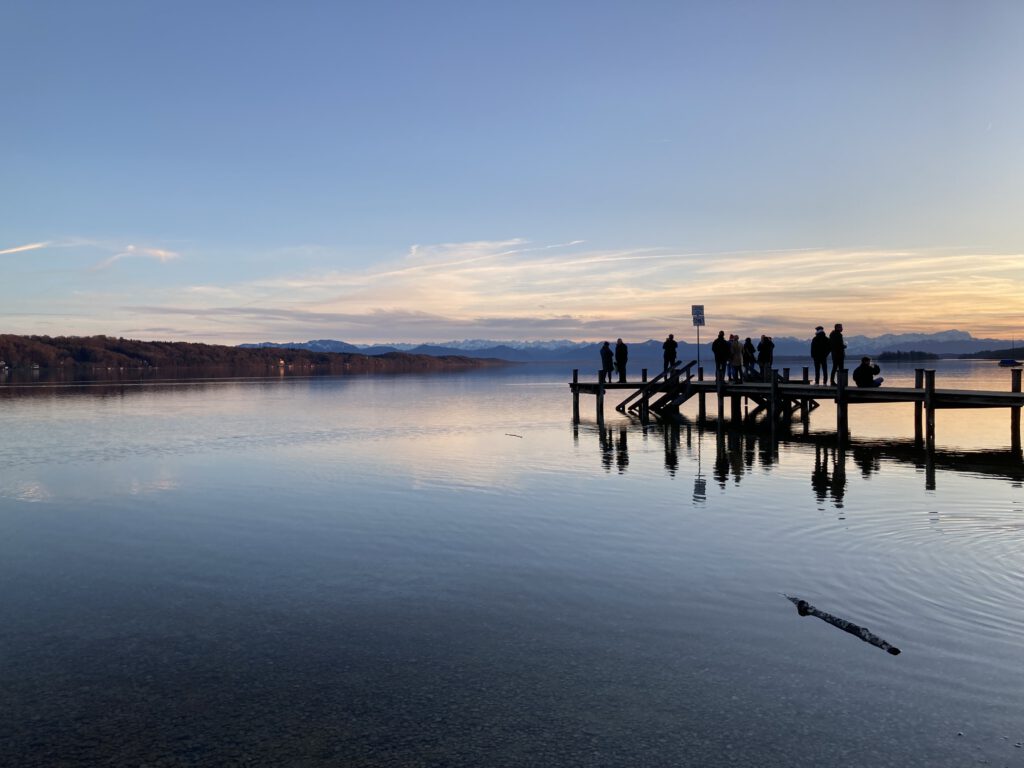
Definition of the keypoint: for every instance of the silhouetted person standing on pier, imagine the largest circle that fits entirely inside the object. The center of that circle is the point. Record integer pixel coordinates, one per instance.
(720, 348)
(765, 355)
(621, 356)
(670, 346)
(820, 350)
(606, 361)
(838, 349)
(749, 357)
(735, 358)
(865, 373)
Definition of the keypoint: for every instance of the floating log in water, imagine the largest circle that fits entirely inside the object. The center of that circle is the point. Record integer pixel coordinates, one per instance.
(806, 609)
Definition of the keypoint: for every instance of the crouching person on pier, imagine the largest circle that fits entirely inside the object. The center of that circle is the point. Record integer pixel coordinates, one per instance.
(864, 374)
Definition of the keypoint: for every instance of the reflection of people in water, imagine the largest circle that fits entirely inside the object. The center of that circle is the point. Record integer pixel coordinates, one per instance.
(867, 459)
(819, 476)
(748, 452)
(736, 455)
(721, 471)
(837, 487)
(671, 445)
(622, 451)
(607, 451)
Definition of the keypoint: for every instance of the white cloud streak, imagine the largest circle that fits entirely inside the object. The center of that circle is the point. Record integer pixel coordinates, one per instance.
(133, 251)
(24, 248)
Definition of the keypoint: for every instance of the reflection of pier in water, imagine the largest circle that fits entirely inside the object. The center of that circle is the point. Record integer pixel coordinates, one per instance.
(739, 452)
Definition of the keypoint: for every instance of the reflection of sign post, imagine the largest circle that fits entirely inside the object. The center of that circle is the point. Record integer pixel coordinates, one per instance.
(697, 311)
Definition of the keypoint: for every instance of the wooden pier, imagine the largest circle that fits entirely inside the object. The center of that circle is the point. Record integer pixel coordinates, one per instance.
(779, 398)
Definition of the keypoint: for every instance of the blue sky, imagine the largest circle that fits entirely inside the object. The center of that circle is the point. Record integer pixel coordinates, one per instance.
(395, 171)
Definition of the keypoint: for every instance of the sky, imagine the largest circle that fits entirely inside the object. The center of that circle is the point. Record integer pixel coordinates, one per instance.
(382, 171)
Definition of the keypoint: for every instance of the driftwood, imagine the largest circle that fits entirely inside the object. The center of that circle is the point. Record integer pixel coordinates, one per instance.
(806, 609)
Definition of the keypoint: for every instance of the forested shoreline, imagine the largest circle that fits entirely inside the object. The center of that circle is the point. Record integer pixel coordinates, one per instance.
(85, 352)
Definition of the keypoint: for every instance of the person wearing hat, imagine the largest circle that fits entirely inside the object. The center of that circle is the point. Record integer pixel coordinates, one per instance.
(820, 349)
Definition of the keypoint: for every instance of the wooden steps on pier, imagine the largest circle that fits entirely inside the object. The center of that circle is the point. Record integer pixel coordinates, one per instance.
(675, 389)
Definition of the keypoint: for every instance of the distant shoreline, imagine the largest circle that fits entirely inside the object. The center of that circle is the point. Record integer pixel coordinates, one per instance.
(94, 354)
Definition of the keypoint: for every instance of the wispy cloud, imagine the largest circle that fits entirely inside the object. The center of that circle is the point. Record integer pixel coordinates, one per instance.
(133, 251)
(23, 248)
(516, 289)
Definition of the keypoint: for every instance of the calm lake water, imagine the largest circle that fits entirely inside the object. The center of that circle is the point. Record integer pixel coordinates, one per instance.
(442, 571)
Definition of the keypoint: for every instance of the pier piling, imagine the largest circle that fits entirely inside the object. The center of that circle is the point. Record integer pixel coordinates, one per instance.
(773, 397)
(600, 398)
(720, 391)
(701, 404)
(575, 396)
(1015, 413)
(918, 384)
(842, 405)
(929, 408)
(645, 401)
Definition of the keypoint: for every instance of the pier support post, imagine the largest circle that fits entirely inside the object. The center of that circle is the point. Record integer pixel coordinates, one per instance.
(720, 391)
(773, 409)
(918, 406)
(842, 421)
(805, 408)
(773, 397)
(929, 409)
(736, 417)
(645, 401)
(702, 414)
(575, 395)
(600, 398)
(785, 374)
(1015, 413)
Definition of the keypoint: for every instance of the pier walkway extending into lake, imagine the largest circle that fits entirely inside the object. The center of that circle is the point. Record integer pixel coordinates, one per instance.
(781, 397)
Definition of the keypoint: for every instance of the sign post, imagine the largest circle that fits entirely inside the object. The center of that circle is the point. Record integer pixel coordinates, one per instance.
(697, 311)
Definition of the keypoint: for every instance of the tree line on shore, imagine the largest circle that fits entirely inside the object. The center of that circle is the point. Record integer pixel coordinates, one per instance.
(107, 351)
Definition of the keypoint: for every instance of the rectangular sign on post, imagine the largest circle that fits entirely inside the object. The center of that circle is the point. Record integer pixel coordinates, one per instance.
(697, 310)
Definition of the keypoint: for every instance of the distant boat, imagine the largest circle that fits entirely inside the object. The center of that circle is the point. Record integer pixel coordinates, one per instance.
(1009, 363)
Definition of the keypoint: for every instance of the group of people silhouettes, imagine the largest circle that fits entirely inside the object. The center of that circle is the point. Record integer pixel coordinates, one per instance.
(741, 361)
(616, 360)
(833, 345)
(738, 361)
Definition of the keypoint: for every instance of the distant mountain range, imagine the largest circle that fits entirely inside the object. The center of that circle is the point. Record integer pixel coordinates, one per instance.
(648, 353)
